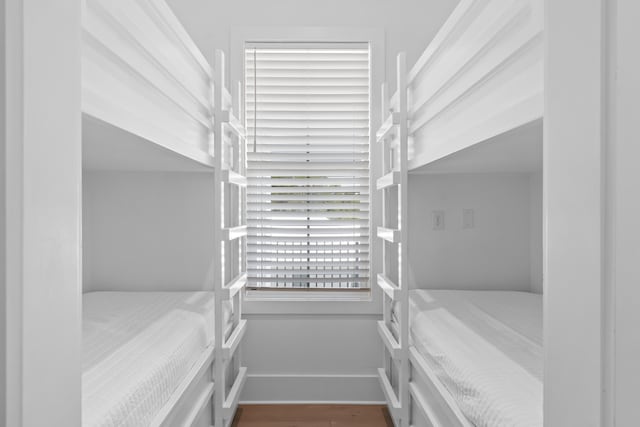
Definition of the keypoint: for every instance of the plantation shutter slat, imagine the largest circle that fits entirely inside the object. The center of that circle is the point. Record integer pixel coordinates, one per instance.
(307, 112)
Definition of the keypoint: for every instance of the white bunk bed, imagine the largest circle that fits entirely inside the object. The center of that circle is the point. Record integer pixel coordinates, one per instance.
(476, 88)
(151, 102)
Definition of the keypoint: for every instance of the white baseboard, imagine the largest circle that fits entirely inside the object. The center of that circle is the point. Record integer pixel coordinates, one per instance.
(312, 388)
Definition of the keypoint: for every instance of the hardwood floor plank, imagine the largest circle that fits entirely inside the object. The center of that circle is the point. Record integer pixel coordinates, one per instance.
(312, 416)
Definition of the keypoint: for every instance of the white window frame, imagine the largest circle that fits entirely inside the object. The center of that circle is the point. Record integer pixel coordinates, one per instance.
(315, 302)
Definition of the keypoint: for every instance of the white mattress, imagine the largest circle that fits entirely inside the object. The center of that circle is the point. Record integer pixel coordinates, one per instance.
(137, 348)
(486, 348)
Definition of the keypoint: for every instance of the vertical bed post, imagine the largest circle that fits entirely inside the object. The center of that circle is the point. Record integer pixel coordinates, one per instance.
(218, 267)
(393, 138)
(386, 168)
(403, 268)
(230, 233)
(240, 214)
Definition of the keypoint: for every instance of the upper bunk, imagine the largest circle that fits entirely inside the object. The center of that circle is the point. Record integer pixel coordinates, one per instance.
(480, 78)
(147, 91)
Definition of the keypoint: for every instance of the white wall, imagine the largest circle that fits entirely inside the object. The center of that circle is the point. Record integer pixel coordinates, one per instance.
(536, 231)
(314, 358)
(147, 231)
(495, 254)
(409, 24)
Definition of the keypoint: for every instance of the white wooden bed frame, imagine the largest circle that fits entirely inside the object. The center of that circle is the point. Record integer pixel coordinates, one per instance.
(164, 112)
(481, 76)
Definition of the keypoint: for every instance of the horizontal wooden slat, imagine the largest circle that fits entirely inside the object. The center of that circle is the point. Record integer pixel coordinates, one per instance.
(324, 240)
(389, 288)
(388, 339)
(333, 198)
(292, 261)
(359, 279)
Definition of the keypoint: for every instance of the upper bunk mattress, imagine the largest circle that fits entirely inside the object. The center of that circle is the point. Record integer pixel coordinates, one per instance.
(137, 349)
(486, 348)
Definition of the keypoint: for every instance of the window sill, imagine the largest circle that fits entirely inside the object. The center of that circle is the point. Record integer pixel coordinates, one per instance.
(304, 295)
(310, 302)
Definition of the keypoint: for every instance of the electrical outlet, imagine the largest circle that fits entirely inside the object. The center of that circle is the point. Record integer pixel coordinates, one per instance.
(438, 220)
(467, 218)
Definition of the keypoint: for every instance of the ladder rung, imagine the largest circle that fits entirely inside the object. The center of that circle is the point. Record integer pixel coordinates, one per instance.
(231, 402)
(389, 234)
(388, 180)
(389, 341)
(387, 127)
(234, 178)
(231, 289)
(387, 388)
(234, 124)
(388, 287)
(231, 345)
(233, 233)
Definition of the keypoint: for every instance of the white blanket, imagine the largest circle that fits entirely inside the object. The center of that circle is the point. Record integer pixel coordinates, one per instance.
(486, 348)
(137, 348)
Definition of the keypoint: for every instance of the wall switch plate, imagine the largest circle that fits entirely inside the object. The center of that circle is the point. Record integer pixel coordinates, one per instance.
(467, 218)
(438, 220)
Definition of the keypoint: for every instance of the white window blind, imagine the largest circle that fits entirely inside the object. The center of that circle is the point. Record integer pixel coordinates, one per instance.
(307, 112)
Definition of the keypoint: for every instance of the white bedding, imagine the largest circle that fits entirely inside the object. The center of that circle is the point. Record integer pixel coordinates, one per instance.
(486, 348)
(137, 348)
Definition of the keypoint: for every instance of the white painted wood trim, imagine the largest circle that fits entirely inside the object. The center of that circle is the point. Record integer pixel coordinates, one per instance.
(231, 402)
(389, 180)
(141, 72)
(234, 340)
(235, 286)
(392, 399)
(228, 364)
(481, 76)
(389, 234)
(376, 37)
(395, 157)
(234, 233)
(574, 204)
(178, 398)
(312, 389)
(201, 402)
(387, 129)
(388, 287)
(392, 345)
(43, 195)
(432, 397)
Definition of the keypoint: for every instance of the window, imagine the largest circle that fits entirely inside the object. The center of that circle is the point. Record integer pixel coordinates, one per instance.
(307, 112)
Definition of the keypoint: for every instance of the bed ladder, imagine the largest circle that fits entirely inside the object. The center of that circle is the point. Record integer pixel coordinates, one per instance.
(230, 231)
(393, 138)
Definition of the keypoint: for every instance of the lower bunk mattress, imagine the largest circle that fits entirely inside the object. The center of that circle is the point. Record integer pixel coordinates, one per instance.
(486, 349)
(137, 349)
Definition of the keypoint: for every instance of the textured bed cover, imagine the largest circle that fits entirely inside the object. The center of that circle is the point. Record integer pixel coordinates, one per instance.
(486, 348)
(137, 349)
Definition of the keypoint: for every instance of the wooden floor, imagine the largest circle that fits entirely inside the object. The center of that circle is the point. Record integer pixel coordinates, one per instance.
(312, 416)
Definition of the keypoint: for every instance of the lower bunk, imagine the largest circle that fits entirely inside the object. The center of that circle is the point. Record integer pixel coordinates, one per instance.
(148, 358)
(476, 358)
